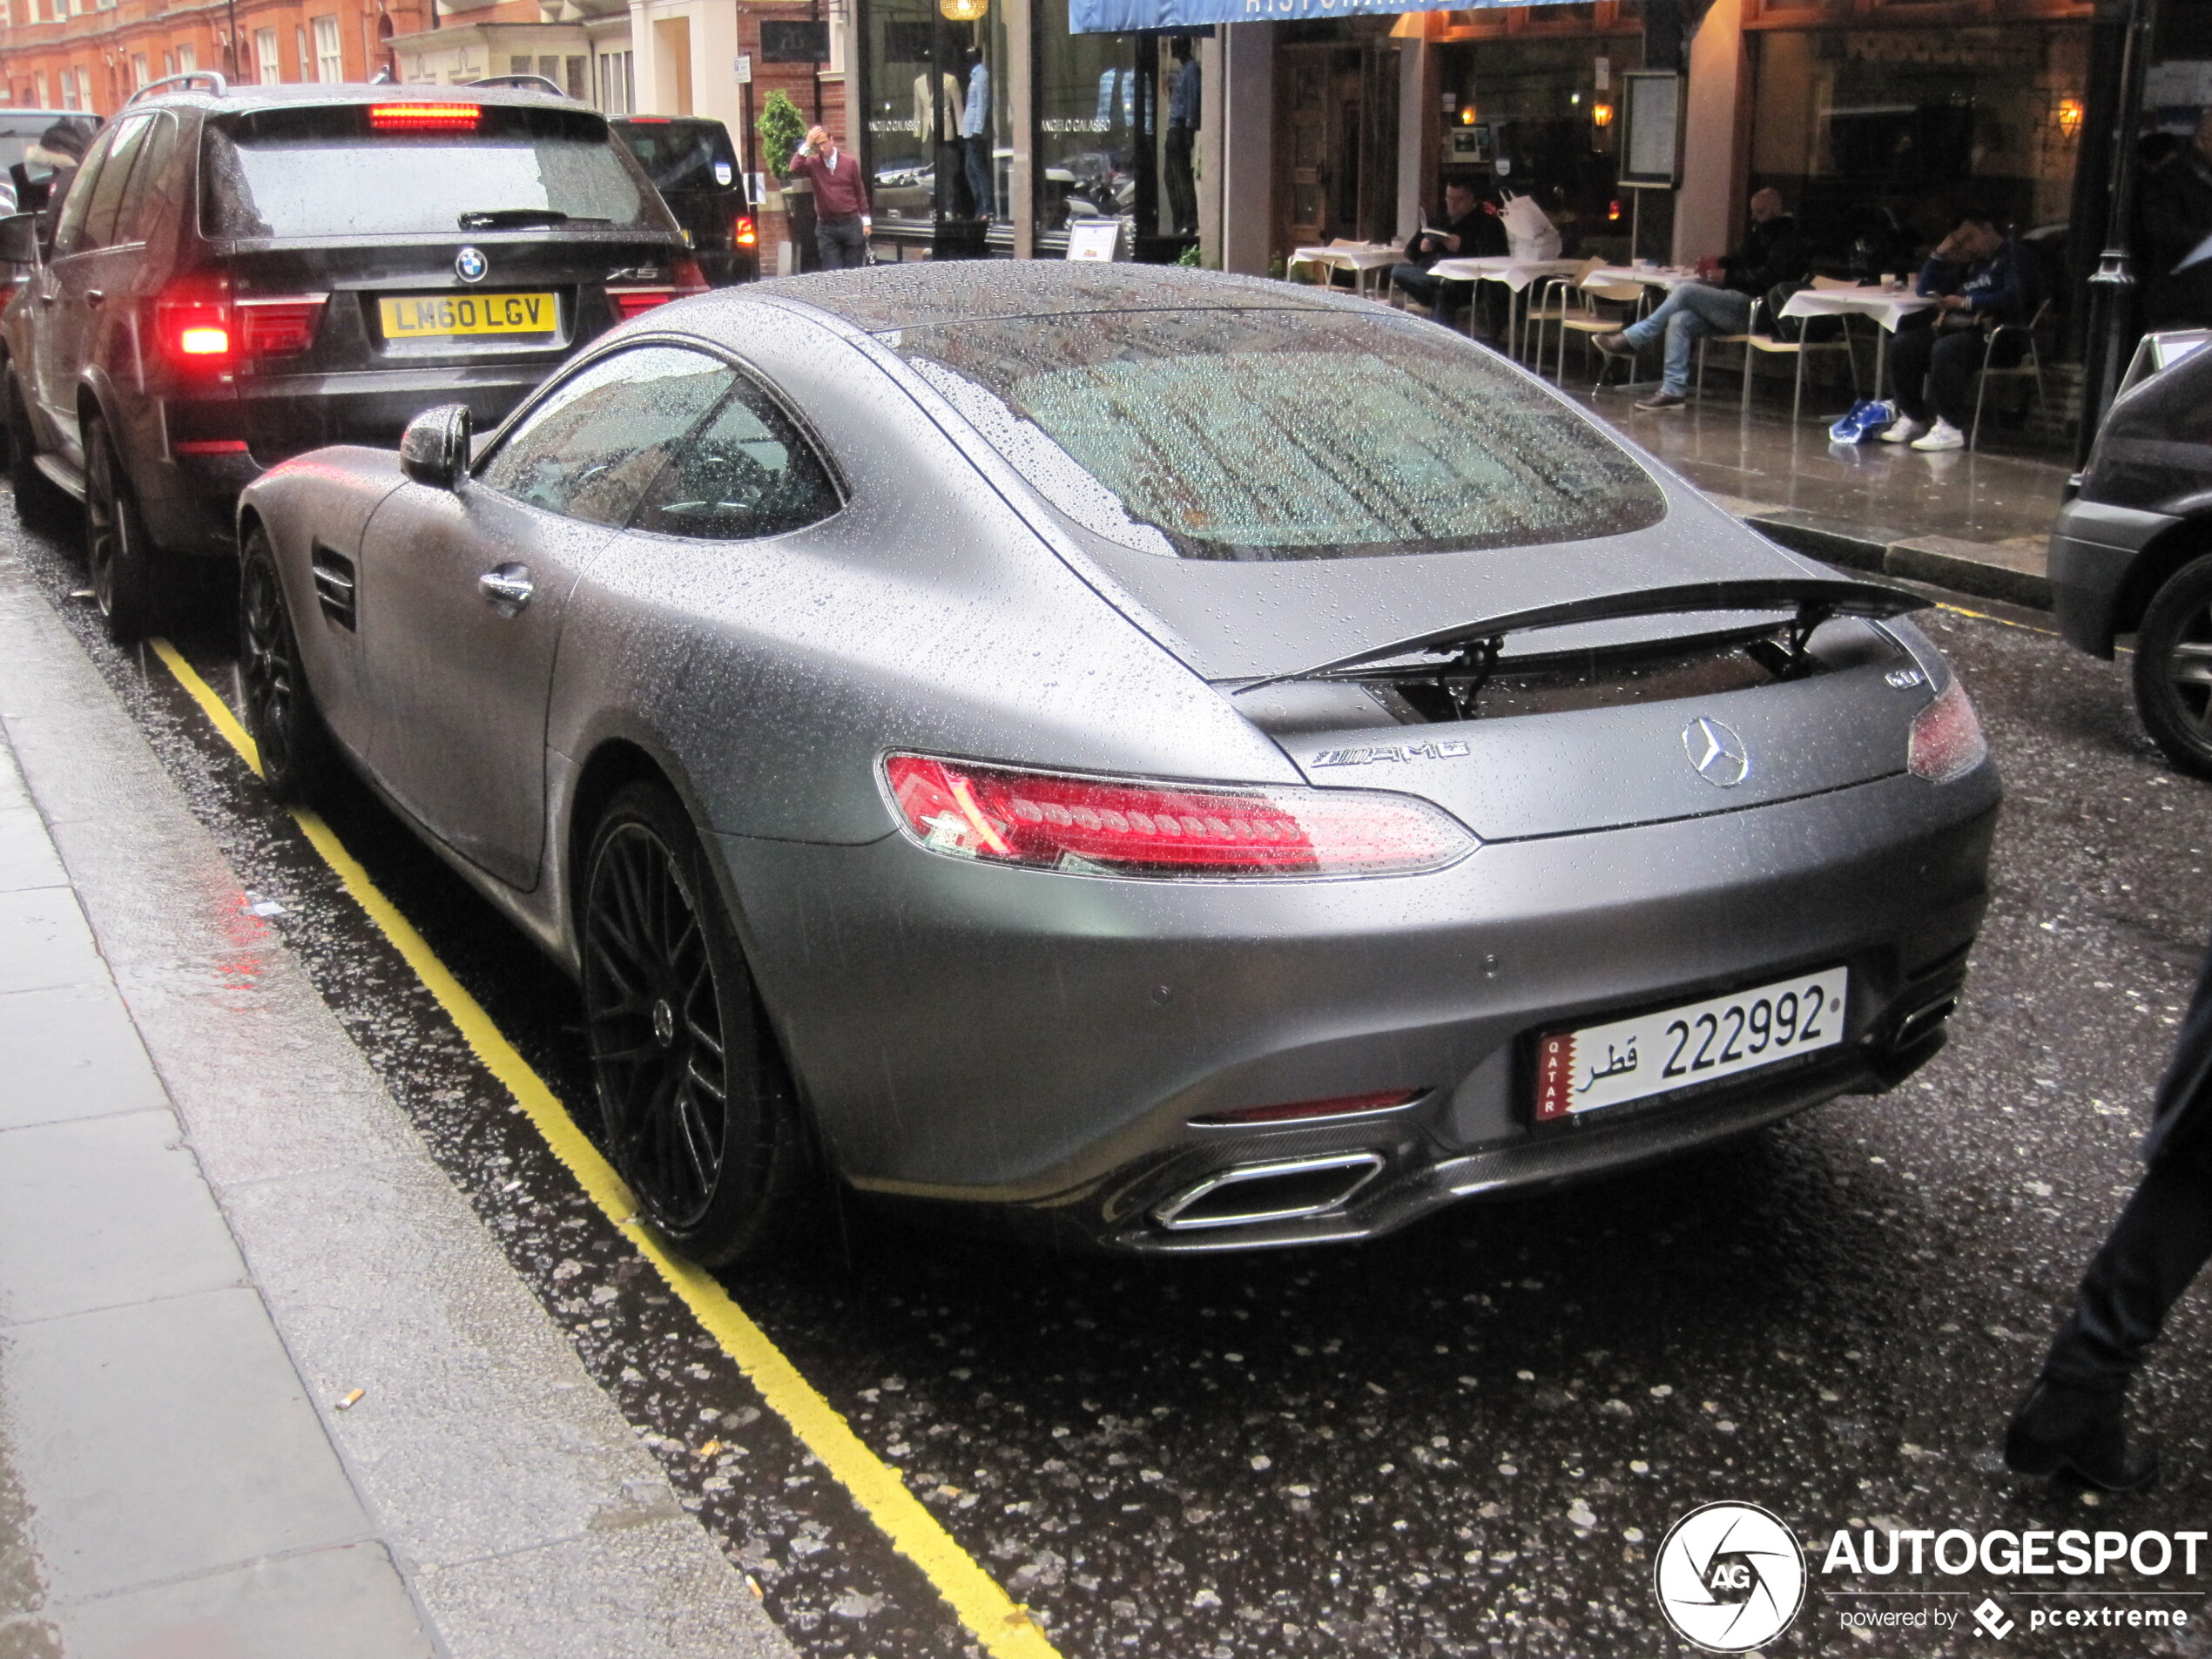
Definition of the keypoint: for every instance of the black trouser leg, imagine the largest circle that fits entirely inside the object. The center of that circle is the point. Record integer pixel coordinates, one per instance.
(1952, 365)
(2155, 1248)
(1909, 354)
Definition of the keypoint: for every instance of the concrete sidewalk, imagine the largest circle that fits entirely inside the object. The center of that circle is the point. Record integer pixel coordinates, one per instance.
(215, 1226)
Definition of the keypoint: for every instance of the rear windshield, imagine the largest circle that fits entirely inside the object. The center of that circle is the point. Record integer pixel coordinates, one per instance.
(681, 155)
(1282, 434)
(318, 172)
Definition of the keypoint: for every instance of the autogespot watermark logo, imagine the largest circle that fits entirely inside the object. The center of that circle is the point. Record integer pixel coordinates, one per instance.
(1730, 1576)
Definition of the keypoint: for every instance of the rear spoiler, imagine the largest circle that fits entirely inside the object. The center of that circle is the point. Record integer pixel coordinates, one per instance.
(1473, 645)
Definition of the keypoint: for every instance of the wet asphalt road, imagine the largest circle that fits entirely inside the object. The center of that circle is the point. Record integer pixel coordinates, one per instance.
(1466, 1438)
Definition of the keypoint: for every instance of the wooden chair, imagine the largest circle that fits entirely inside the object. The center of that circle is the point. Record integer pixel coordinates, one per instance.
(1590, 319)
(1756, 345)
(2030, 365)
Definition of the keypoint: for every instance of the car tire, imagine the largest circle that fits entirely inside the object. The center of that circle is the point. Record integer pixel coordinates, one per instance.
(700, 1114)
(41, 504)
(2173, 667)
(280, 713)
(117, 553)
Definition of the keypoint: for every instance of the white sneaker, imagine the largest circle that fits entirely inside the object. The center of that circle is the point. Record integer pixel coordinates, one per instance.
(1904, 430)
(1942, 435)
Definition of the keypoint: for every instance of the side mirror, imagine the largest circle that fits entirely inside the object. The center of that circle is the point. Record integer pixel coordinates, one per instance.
(19, 238)
(434, 449)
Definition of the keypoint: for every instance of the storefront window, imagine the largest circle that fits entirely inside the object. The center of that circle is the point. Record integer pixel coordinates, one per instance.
(1876, 138)
(921, 74)
(1089, 120)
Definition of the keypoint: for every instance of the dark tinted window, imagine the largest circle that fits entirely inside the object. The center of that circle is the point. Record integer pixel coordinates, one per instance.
(77, 198)
(589, 449)
(746, 473)
(142, 203)
(1282, 434)
(327, 173)
(106, 200)
(681, 155)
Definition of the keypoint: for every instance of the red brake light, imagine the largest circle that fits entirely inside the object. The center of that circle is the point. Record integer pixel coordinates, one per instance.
(689, 279)
(1110, 827)
(1947, 742)
(743, 233)
(278, 328)
(425, 117)
(635, 302)
(204, 340)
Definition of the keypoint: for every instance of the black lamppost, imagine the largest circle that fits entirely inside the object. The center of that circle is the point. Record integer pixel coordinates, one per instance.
(2112, 289)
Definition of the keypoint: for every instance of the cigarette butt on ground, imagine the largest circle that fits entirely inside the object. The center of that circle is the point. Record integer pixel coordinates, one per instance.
(352, 1399)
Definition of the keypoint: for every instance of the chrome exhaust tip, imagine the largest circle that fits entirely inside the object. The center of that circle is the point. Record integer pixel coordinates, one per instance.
(1252, 1193)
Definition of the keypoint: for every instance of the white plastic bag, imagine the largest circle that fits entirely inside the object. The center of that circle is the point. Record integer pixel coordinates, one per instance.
(1529, 234)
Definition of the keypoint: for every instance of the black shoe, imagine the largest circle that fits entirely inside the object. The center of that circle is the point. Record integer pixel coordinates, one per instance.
(1615, 344)
(1663, 401)
(2060, 1430)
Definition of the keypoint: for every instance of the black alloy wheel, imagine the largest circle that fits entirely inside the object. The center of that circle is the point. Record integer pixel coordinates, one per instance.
(116, 547)
(2174, 668)
(281, 711)
(698, 1109)
(40, 502)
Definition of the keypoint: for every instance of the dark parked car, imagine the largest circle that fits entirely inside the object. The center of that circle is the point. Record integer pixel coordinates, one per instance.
(2132, 553)
(972, 726)
(239, 275)
(694, 165)
(41, 143)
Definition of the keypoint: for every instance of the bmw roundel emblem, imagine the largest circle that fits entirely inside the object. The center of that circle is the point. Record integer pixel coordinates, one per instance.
(469, 265)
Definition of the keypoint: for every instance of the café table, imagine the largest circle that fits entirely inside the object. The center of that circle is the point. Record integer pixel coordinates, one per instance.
(1887, 307)
(1516, 274)
(1358, 258)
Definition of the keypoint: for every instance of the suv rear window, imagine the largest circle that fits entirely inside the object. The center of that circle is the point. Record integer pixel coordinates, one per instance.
(323, 171)
(681, 155)
(1282, 434)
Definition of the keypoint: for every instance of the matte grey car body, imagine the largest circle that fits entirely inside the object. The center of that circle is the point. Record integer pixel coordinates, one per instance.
(1048, 1044)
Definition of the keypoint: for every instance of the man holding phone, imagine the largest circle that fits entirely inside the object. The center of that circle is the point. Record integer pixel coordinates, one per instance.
(841, 201)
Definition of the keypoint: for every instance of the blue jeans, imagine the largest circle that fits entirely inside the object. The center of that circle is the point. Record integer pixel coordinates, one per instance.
(1687, 315)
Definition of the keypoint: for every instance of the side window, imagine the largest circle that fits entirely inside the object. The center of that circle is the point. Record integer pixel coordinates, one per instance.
(107, 190)
(589, 449)
(746, 473)
(68, 223)
(142, 202)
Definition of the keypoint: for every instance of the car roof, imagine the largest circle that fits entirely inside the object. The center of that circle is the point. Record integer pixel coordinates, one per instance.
(255, 96)
(920, 292)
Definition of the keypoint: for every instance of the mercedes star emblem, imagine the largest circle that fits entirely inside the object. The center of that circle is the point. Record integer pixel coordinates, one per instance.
(469, 265)
(1715, 751)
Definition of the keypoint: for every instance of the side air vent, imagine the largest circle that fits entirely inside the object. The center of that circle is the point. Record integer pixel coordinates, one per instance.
(334, 587)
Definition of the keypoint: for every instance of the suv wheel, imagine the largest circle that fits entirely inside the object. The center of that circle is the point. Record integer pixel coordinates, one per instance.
(40, 502)
(116, 547)
(701, 1117)
(2173, 667)
(280, 712)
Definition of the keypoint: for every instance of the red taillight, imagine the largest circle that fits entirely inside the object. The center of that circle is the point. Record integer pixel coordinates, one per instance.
(743, 233)
(1337, 1106)
(199, 322)
(1947, 742)
(1105, 826)
(425, 117)
(689, 279)
(634, 302)
(211, 446)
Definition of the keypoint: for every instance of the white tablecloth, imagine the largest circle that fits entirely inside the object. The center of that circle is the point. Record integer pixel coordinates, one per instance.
(1887, 307)
(1355, 257)
(1516, 274)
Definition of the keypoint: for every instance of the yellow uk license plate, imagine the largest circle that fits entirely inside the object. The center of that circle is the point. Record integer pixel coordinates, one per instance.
(417, 316)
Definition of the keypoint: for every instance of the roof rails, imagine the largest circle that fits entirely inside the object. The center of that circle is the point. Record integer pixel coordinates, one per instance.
(524, 83)
(215, 83)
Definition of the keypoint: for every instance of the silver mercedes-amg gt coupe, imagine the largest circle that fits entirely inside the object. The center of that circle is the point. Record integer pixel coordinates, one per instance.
(1181, 761)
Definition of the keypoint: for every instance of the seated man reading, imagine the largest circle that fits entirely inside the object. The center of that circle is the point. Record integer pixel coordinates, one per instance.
(1470, 230)
(1773, 253)
(1980, 277)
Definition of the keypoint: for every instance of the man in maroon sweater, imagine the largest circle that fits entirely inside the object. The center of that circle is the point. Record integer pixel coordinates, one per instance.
(840, 200)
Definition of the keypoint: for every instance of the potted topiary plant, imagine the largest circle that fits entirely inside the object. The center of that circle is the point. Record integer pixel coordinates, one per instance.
(782, 130)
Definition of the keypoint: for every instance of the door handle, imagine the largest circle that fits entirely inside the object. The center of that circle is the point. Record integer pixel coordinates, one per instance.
(94, 297)
(508, 587)
(46, 296)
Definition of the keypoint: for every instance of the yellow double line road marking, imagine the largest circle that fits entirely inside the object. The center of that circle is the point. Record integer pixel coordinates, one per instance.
(1004, 1628)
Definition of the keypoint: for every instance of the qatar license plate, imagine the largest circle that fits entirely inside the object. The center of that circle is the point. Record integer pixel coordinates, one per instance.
(421, 316)
(1655, 1054)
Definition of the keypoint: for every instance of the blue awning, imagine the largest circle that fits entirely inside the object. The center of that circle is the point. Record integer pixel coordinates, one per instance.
(1112, 16)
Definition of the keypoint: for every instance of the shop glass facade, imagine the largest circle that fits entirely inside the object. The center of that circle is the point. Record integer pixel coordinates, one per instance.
(917, 70)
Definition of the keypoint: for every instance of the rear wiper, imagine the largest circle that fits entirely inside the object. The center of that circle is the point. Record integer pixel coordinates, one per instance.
(1473, 647)
(517, 219)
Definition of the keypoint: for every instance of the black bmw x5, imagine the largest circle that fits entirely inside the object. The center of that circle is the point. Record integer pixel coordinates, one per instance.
(236, 276)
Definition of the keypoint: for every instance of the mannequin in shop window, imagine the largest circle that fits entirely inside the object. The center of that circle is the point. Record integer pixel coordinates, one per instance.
(975, 133)
(1182, 126)
(940, 136)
